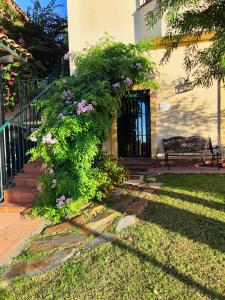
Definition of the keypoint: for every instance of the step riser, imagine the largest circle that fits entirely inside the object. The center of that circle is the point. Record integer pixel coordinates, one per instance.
(19, 197)
(32, 169)
(25, 182)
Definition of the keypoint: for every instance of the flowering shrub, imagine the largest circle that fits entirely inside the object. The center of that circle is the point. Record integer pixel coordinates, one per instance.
(77, 118)
(9, 76)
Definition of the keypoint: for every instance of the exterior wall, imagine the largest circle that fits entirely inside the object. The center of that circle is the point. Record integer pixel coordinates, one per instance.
(141, 30)
(90, 20)
(222, 115)
(191, 113)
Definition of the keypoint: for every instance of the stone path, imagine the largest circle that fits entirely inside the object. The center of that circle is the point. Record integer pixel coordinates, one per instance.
(41, 265)
(129, 200)
(56, 241)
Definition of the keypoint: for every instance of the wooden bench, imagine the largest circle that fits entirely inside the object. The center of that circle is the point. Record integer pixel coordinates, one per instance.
(189, 146)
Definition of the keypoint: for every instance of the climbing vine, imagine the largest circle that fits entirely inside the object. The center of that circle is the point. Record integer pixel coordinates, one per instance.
(77, 118)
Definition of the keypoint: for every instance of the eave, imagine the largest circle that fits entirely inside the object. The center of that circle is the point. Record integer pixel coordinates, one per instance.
(11, 47)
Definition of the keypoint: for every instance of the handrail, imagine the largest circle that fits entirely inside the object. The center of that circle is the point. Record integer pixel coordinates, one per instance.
(14, 139)
(7, 123)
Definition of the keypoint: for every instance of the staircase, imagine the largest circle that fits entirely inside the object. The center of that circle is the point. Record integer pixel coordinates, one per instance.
(21, 196)
(18, 178)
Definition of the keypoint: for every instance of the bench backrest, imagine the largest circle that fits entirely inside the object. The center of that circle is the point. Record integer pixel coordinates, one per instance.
(192, 144)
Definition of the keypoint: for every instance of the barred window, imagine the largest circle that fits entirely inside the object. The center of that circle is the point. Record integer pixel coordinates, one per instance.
(142, 2)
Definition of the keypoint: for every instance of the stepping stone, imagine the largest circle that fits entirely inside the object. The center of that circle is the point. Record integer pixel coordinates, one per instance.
(136, 206)
(125, 222)
(123, 204)
(65, 225)
(40, 266)
(135, 179)
(100, 240)
(156, 184)
(75, 222)
(151, 179)
(56, 241)
(99, 225)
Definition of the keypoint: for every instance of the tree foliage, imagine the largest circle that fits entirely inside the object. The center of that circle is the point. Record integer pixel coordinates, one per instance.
(194, 18)
(44, 35)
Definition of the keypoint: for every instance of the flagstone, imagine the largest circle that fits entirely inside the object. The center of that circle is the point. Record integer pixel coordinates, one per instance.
(136, 206)
(40, 266)
(75, 222)
(56, 241)
(65, 225)
(125, 222)
(99, 225)
(151, 179)
(100, 240)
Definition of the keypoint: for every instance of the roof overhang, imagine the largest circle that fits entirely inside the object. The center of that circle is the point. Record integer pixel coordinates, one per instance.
(8, 46)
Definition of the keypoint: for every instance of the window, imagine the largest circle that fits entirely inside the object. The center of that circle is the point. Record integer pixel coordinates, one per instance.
(143, 2)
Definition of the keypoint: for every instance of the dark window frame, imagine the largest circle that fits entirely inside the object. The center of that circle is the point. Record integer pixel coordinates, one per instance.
(143, 3)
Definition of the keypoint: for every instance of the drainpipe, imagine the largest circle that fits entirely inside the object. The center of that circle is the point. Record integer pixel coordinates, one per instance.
(219, 113)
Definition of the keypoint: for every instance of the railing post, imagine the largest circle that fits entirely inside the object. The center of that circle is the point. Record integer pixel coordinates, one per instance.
(2, 140)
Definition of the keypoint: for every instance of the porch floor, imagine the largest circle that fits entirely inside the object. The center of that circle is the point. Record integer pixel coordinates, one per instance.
(15, 231)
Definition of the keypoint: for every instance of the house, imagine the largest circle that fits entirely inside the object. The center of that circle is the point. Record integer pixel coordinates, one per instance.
(178, 110)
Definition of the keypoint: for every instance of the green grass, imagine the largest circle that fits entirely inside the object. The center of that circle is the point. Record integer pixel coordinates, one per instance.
(175, 251)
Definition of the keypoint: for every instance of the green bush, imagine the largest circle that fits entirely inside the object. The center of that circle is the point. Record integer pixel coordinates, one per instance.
(77, 117)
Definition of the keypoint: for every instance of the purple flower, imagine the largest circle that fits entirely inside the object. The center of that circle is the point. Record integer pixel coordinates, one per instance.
(128, 81)
(116, 85)
(93, 103)
(47, 139)
(33, 139)
(68, 56)
(63, 200)
(83, 106)
(61, 115)
(67, 95)
(137, 66)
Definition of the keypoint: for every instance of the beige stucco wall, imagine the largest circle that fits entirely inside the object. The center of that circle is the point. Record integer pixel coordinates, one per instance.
(190, 113)
(89, 20)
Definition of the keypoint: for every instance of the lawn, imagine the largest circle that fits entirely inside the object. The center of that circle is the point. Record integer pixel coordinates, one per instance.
(175, 251)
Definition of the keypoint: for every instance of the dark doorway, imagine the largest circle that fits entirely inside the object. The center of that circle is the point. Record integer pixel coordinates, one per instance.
(134, 125)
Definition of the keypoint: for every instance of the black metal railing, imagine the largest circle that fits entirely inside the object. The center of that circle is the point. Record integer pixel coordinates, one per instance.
(15, 142)
(28, 89)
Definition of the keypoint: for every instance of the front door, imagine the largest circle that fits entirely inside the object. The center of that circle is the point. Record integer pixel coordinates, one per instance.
(134, 125)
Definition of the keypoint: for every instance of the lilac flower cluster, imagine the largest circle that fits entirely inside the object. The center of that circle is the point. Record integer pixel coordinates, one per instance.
(33, 139)
(67, 95)
(63, 200)
(83, 107)
(68, 56)
(116, 85)
(128, 81)
(47, 139)
(137, 66)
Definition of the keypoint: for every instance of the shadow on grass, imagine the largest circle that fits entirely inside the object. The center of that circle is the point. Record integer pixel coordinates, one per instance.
(171, 271)
(192, 199)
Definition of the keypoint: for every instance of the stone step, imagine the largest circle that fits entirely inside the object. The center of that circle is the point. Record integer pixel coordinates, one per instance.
(6, 207)
(26, 180)
(20, 195)
(33, 168)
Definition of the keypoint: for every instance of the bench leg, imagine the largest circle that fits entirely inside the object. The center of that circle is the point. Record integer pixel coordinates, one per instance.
(212, 160)
(167, 161)
(218, 162)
